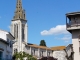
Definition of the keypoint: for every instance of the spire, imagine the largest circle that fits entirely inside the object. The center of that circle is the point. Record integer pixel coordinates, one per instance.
(19, 13)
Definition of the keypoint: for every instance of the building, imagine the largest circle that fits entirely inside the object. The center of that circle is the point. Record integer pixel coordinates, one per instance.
(6, 43)
(60, 53)
(19, 29)
(73, 26)
(69, 52)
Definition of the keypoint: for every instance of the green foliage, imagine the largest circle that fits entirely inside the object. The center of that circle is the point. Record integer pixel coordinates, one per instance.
(42, 43)
(22, 55)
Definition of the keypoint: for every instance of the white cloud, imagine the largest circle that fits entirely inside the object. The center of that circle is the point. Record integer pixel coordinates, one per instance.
(59, 29)
(65, 38)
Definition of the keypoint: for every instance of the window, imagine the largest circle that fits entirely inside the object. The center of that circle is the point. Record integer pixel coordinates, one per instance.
(42, 53)
(15, 50)
(16, 30)
(6, 57)
(31, 53)
(34, 52)
(7, 40)
(48, 53)
(79, 46)
(23, 33)
(0, 55)
(10, 43)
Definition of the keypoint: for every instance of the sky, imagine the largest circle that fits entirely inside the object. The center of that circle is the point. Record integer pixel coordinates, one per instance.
(46, 19)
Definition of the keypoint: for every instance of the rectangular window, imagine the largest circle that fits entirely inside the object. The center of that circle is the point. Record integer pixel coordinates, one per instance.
(42, 54)
(34, 52)
(48, 53)
(7, 40)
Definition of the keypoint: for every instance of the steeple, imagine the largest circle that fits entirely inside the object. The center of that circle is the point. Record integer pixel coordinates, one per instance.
(19, 13)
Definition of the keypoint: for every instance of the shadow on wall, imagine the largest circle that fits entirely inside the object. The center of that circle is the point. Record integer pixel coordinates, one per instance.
(48, 58)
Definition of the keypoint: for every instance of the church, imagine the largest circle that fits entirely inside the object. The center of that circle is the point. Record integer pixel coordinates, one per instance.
(19, 29)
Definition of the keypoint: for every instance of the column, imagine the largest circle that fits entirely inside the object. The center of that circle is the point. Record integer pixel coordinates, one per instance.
(46, 53)
(38, 52)
(30, 50)
(26, 33)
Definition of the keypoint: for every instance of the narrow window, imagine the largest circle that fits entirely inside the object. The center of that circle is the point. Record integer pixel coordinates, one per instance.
(1, 55)
(14, 30)
(79, 46)
(17, 30)
(22, 34)
(42, 53)
(48, 53)
(34, 52)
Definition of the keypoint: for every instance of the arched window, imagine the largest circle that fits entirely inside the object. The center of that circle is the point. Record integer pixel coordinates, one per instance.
(23, 33)
(16, 30)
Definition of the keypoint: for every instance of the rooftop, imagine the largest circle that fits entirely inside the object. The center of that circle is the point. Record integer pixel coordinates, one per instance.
(73, 13)
(48, 48)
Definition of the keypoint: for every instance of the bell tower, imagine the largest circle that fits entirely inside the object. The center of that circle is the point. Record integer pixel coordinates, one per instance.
(73, 26)
(19, 28)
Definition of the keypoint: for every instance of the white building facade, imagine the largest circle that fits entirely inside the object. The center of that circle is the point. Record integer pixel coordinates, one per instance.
(73, 26)
(6, 45)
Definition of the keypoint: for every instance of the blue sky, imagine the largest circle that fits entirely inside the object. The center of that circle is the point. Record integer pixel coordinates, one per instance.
(46, 19)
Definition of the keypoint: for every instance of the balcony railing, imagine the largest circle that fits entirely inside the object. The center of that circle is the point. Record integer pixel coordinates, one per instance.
(72, 25)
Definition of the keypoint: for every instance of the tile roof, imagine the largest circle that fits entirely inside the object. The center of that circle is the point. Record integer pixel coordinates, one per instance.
(58, 48)
(48, 48)
(42, 47)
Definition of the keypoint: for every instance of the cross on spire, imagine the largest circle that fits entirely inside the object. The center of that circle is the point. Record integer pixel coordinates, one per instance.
(19, 13)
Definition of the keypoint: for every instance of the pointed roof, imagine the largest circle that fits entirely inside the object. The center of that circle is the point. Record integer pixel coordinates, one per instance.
(19, 13)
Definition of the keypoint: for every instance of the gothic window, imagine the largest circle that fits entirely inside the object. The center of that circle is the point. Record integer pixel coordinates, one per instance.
(23, 33)
(16, 30)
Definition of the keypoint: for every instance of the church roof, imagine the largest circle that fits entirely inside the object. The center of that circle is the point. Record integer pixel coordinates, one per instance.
(20, 12)
(58, 48)
(42, 47)
(48, 48)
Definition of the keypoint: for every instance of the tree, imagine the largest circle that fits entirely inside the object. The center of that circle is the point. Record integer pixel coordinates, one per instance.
(42, 43)
(21, 55)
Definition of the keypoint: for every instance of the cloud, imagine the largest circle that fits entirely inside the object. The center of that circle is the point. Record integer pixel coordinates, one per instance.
(65, 38)
(59, 29)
